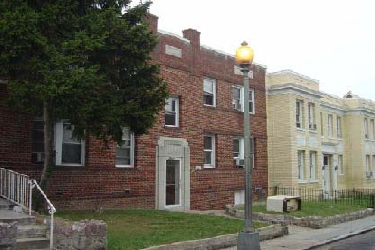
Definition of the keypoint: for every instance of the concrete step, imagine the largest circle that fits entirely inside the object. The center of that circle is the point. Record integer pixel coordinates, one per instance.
(32, 243)
(5, 205)
(31, 231)
(8, 216)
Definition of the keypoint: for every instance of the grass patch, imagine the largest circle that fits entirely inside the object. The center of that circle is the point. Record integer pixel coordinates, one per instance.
(323, 209)
(136, 229)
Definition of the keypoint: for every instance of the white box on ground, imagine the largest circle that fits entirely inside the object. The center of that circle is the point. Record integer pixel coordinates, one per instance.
(283, 203)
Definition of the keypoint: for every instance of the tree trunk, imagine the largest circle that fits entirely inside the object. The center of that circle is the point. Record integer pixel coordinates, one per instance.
(48, 145)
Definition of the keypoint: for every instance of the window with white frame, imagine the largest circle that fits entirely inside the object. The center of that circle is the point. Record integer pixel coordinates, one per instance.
(367, 167)
(171, 109)
(38, 141)
(312, 123)
(238, 99)
(299, 113)
(372, 129)
(340, 165)
(251, 101)
(125, 151)
(365, 124)
(339, 127)
(209, 89)
(238, 148)
(69, 150)
(301, 166)
(312, 165)
(321, 124)
(209, 151)
(329, 125)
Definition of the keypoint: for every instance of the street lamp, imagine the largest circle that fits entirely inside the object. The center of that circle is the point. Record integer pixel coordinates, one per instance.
(248, 238)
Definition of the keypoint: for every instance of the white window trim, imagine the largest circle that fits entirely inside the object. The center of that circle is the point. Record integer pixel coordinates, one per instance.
(242, 148)
(340, 160)
(300, 165)
(312, 119)
(339, 127)
(132, 150)
(213, 153)
(177, 112)
(329, 125)
(213, 81)
(242, 98)
(313, 155)
(366, 128)
(59, 127)
(299, 114)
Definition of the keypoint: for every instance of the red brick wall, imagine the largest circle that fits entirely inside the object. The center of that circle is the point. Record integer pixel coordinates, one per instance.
(100, 184)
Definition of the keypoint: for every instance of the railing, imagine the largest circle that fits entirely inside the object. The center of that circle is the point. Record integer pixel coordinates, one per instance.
(18, 189)
(365, 197)
(51, 208)
(15, 187)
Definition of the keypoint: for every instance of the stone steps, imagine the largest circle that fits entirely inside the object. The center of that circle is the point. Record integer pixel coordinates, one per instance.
(32, 243)
(29, 235)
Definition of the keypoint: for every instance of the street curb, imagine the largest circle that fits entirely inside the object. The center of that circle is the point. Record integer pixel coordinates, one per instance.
(341, 237)
(222, 241)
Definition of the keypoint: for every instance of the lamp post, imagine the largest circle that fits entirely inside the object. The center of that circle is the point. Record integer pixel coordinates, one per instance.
(247, 239)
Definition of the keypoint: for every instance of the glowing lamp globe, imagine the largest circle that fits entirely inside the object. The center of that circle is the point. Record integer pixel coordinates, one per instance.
(244, 54)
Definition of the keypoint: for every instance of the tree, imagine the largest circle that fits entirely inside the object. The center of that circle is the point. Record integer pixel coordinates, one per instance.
(87, 61)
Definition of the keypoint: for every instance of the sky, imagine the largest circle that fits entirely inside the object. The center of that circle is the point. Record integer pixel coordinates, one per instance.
(332, 41)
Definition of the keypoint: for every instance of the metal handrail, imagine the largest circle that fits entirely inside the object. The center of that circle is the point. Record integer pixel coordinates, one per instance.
(18, 188)
(51, 208)
(15, 187)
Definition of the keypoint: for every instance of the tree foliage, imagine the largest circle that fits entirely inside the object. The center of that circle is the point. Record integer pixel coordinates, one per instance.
(88, 61)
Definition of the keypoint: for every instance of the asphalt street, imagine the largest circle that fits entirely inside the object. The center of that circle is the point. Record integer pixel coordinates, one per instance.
(365, 241)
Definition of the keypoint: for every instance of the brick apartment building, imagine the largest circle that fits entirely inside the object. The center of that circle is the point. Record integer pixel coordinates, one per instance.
(187, 160)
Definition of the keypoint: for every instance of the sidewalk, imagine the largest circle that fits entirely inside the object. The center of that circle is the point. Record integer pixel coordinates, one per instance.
(306, 238)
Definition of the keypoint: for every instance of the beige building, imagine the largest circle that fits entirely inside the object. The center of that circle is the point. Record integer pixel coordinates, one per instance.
(317, 140)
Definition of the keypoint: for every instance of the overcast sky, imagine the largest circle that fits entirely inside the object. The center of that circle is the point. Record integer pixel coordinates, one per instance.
(332, 41)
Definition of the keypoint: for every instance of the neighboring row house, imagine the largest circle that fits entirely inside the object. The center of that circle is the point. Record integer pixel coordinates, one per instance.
(190, 159)
(317, 140)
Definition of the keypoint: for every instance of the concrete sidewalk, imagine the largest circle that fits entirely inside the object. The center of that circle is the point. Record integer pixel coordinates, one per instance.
(307, 238)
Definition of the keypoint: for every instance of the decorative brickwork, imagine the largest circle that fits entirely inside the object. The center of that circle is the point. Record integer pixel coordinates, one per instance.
(99, 184)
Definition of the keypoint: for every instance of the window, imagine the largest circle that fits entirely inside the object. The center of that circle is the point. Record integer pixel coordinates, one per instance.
(172, 112)
(339, 127)
(321, 124)
(340, 165)
(238, 148)
(251, 101)
(367, 167)
(38, 141)
(125, 151)
(329, 125)
(312, 123)
(301, 160)
(299, 114)
(366, 128)
(373, 166)
(209, 151)
(238, 99)
(312, 165)
(209, 89)
(372, 129)
(69, 151)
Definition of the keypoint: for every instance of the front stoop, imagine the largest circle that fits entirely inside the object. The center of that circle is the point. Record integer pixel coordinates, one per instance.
(30, 236)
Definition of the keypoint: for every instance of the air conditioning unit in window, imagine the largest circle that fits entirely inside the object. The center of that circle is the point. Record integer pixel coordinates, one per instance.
(368, 175)
(240, 162)
(237, 106)
(312, 126)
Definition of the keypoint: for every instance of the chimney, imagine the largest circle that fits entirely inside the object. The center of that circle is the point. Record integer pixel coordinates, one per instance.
(193, 36)
(153, 21)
